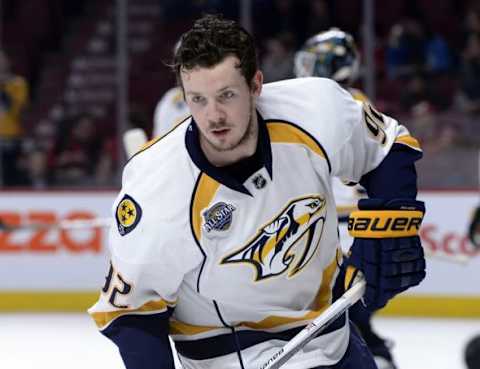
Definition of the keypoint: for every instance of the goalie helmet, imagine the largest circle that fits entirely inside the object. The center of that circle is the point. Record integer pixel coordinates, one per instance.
(331, 54)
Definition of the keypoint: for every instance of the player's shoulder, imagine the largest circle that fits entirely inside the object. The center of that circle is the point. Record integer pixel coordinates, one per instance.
(156, 187)
(307, 86)
(311, 103)
(160, 161)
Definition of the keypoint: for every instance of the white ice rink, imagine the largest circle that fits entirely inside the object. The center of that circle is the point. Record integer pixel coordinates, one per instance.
(70, 341)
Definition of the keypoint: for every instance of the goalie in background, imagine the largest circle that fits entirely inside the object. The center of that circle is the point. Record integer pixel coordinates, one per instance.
(333, 54)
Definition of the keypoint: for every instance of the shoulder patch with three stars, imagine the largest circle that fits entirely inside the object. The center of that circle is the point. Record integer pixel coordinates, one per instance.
(128, 215)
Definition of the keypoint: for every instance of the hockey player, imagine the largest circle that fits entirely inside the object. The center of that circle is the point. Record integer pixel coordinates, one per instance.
(225, 231)
(333, 54)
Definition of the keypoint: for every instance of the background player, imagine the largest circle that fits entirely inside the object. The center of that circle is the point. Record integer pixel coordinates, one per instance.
(333, 54)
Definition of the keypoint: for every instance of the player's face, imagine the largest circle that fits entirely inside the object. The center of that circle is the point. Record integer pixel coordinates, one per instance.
(223, 105)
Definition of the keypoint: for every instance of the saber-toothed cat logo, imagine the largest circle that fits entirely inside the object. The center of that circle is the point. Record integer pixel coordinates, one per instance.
(288, 242)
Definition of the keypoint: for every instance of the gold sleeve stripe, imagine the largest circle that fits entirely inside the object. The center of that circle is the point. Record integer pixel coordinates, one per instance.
(280, 132)
(359, 95)
(204, 193)
(149, 143)
(409, 141)
(384, 223)
(104, 318)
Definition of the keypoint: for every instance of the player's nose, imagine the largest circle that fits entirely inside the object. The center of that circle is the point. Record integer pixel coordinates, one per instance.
(215, 112)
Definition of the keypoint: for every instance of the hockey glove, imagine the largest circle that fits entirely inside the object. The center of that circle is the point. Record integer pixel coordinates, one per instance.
(474, 228)
(386, 248)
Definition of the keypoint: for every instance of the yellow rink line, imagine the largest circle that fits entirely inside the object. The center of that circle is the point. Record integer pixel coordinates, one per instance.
(434, 306)
(46, 301)
(408, 305)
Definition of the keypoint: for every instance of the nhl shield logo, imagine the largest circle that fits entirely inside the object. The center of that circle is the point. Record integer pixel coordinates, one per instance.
(259, 182)
(218, 217)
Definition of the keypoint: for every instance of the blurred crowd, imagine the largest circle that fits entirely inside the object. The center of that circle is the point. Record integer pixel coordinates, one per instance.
(57, 90)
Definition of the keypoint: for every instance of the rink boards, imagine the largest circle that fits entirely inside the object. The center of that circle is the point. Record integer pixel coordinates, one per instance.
(62, 270)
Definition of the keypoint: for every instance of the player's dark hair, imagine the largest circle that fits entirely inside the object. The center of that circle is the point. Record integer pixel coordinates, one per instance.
(211, 39)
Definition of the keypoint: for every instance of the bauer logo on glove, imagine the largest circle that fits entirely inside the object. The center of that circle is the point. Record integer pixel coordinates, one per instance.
(386, 223)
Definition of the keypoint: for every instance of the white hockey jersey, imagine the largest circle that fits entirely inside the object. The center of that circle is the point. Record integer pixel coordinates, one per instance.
(244, 264)
(170, 110)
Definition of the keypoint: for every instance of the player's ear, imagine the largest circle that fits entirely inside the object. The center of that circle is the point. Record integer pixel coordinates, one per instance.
(257, 83)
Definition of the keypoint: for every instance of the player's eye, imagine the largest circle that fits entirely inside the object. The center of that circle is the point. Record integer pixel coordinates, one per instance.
(198, 99)
(227, 95)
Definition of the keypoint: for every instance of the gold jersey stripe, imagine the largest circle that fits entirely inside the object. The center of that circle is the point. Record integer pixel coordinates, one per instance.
(180, 328)
(204, 193)
(358, 95)
(280, 132)
(321, 302)
(149, 143)
(409, 141)
(102, 319)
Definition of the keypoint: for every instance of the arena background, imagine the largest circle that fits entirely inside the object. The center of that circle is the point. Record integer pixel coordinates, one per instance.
(98, 67)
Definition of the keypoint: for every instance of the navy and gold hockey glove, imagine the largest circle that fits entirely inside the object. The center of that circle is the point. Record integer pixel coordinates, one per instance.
(386, 248)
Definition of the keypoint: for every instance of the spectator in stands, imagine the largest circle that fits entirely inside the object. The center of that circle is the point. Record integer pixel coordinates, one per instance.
(82, 156)
(418, 91)
(274, 17)
(277, 63)
(469, 95)
(406, 48)
(34, 157)
(13, 100)
(438, 57)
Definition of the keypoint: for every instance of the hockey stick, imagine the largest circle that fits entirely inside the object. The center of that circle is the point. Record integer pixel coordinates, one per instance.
(349, 298)
(63, 224)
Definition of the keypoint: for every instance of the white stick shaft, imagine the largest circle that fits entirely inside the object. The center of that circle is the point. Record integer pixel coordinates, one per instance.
(350, 297)
(133, 140)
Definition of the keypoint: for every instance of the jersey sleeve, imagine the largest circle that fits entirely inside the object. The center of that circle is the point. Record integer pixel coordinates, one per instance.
(149, 259)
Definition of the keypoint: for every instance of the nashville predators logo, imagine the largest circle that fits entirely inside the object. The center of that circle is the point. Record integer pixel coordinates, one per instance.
(128, 215)
(288, 242)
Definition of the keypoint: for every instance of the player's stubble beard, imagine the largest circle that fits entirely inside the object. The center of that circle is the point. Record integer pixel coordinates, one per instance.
(250, 132)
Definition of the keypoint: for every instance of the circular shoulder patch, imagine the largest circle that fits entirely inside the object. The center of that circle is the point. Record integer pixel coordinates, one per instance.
(128, 214)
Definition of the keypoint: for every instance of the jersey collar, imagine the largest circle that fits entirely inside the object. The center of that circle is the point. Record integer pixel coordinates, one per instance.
(198, 157)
